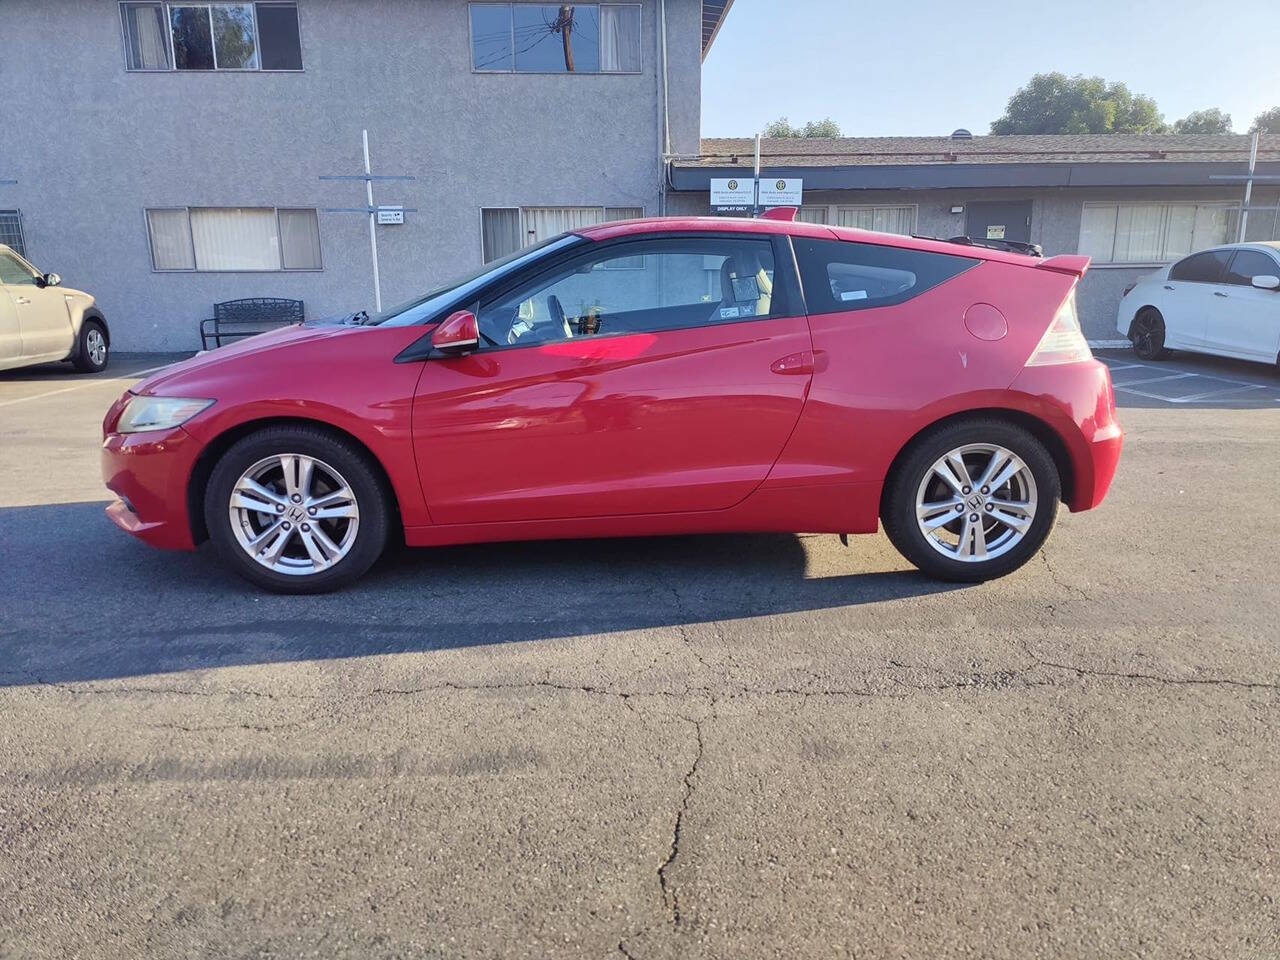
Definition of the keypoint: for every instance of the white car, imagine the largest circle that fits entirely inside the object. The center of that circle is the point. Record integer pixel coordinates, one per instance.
(42, 321)
(1224, 301)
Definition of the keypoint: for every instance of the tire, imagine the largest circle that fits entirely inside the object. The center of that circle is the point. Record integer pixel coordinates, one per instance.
(92, 349)
(1146, 333)
(316, 555)
(1033, 488)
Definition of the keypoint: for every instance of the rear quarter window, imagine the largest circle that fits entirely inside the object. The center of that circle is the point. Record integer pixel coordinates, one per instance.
(840, 275)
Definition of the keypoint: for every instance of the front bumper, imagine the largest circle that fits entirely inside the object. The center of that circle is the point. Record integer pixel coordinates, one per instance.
(150, 473)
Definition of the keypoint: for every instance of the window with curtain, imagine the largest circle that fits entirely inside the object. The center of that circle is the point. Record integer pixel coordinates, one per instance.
(504, 230)
(812, 214)
(11, 231)
(555, 38)
(1153, 232)
(218, 239)
(211, 36)
(899, 218)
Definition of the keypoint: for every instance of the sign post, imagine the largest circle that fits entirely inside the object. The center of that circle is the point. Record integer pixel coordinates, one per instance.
(734, 197)
(376, 215)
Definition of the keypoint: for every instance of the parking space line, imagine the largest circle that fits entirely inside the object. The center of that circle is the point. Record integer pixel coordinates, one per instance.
(82, 386)
(1215, 393)
(1171, 376)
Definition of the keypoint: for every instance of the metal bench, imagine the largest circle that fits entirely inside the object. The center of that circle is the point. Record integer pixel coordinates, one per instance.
(235, 319)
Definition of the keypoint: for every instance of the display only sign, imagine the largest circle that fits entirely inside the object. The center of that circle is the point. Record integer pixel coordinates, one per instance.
(733, 194)
(780, 193)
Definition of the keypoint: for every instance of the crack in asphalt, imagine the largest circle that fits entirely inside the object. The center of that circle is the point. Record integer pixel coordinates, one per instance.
(669, 896)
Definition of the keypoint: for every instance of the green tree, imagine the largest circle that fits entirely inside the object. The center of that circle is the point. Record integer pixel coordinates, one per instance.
(1267, 122)
(1204, 121)
(1056, 103)
(782, 128)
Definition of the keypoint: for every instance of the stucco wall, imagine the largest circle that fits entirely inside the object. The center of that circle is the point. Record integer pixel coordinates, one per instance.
(92, 146)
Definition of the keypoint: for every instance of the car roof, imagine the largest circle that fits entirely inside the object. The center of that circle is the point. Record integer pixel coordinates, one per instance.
(649, 226)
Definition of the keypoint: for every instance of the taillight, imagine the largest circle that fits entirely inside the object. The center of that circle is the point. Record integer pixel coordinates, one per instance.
(1063, 342)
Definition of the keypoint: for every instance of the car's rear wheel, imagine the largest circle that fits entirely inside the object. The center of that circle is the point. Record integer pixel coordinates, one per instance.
(297, 509)
(92, 350)
(972, 501)
(1146, 333)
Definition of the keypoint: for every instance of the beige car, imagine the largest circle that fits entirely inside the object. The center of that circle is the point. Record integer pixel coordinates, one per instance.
(42, 321)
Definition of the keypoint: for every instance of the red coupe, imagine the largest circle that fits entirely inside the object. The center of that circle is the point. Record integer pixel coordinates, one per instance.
(638, 378)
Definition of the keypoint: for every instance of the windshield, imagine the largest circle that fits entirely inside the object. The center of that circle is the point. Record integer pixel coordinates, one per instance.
(428, 305)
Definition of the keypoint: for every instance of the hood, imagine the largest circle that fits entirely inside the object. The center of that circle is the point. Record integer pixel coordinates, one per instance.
(274, 341)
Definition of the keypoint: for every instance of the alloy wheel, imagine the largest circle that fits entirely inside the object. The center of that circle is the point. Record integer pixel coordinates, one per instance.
(976, 502)
(294, 514)
(96, 346)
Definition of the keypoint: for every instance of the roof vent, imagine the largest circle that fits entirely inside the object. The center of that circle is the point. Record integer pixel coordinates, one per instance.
(961, 134)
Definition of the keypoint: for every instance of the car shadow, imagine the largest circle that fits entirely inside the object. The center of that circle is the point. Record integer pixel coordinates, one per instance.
(86, 602)
(120, 366)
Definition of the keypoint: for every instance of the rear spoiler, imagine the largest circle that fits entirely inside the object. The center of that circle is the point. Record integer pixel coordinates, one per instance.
(1068, 263)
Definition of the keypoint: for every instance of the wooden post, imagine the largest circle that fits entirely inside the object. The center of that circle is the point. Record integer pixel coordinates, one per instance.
(565, 24)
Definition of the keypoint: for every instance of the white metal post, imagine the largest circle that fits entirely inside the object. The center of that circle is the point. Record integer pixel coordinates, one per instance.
(373, 236)
(755, 201)
(1248, 185)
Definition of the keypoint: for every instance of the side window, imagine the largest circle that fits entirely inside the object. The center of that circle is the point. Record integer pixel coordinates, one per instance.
(842, 275)
(13, 272)
(660, 284)
(1247, 264)
(1204, 267)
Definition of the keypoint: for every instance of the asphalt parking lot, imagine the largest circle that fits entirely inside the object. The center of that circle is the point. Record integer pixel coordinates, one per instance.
(719, 747)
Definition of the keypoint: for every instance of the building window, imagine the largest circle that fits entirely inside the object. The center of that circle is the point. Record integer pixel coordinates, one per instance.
(211, 36)
(899, 218)
(11, 231)
(504, 230)
(220, 239)
(1152, 232)
(555, 38)
(812, 214)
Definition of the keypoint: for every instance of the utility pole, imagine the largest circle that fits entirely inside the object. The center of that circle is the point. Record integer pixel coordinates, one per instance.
(564, 24)
(755, 202)
(373, 212)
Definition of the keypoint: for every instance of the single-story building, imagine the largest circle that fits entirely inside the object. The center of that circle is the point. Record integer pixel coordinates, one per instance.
(1132, 203)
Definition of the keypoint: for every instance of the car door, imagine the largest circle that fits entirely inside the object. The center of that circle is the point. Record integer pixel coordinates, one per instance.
(644, 376)
(1192, 293)
(1246, 321)
(43, 321)
(10, 338)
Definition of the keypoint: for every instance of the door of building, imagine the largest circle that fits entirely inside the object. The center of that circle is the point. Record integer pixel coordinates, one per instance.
(999, 220)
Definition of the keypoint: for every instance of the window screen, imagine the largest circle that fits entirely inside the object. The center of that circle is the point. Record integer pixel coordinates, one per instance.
(278, 36)
(11, 231)
(216, 239)
(840, 275)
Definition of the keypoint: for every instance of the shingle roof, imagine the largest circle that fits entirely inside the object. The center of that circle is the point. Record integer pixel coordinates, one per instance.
(1040, 148)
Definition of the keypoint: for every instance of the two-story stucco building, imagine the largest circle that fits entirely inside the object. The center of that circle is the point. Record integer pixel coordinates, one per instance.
(168, 155)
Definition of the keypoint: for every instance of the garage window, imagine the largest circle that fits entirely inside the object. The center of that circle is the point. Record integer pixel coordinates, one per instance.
(234, 239)
(840, 276)
(11, 231)
(1153, 232)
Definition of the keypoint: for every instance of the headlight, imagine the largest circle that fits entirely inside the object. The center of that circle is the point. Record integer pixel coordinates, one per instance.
(159, 413)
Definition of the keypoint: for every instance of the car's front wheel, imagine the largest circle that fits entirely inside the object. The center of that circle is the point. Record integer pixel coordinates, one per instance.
(92, 350)
(972, 501)
(297, 509)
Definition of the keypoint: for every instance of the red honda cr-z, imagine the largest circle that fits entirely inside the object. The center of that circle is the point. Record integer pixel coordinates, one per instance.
(645, 377)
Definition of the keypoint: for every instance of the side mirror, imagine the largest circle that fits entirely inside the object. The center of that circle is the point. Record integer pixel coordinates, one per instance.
(457, 335)
(50, 280)
(1267, 282)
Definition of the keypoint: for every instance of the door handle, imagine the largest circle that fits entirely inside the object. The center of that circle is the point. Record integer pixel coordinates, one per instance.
(794, 363)
(1168, 286)
(20, 300)
(1219, 293)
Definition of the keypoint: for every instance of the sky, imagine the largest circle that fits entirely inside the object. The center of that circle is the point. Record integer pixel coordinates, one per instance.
(926, 67)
